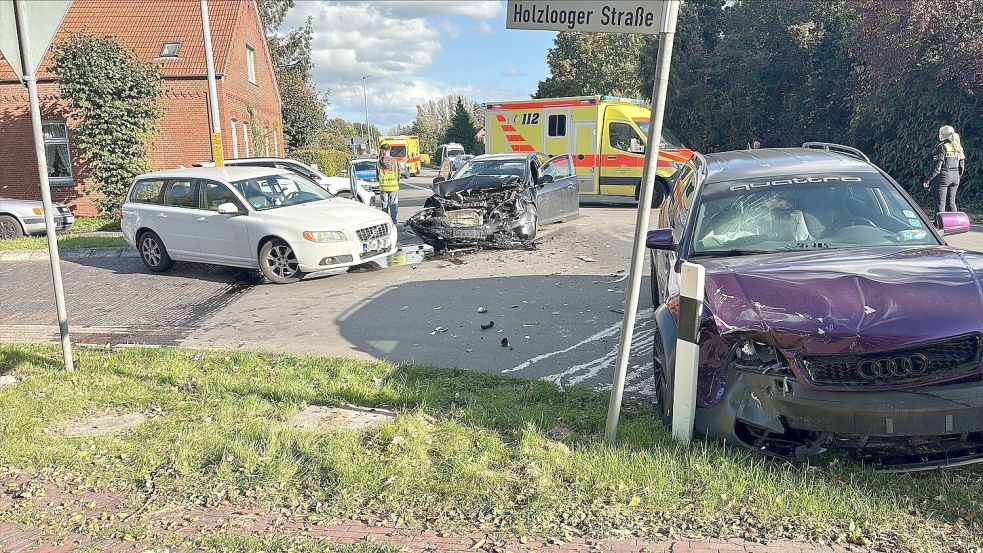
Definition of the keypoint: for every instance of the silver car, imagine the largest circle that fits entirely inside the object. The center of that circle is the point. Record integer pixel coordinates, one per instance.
(26, 218)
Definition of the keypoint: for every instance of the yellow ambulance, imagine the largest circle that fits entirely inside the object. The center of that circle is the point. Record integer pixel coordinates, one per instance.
(605, 134)
(406, 150)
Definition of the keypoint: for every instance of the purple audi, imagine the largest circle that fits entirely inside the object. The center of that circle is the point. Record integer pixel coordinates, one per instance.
(836, 317)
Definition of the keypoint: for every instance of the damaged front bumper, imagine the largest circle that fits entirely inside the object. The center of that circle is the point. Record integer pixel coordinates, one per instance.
(434, 227)
(902, 430)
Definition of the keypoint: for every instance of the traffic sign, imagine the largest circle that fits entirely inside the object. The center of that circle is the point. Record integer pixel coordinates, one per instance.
(44, 17)
(647, 17)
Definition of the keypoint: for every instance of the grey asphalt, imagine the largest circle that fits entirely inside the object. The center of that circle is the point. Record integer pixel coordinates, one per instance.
(560, 314)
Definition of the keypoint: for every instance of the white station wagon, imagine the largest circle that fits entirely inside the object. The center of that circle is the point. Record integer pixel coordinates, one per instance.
(253, 217)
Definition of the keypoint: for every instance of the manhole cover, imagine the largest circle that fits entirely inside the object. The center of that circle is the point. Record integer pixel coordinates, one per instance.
(102, 425)
(318, 417)
(7, 380)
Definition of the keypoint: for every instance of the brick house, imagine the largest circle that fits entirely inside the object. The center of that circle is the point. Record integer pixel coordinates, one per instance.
(167, 34)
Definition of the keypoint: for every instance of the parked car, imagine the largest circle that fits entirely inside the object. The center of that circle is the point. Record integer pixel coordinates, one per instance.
(255, 217)
(836, 317)
(338, 186)
(498, 201)
(26, 218)
(364, 169)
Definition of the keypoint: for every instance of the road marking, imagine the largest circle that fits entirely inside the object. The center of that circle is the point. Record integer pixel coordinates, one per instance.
(417, 187)
(640, 379)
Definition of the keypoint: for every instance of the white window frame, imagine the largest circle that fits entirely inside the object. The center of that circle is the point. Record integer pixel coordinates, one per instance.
(60, 181)
(245, 137)
(251, 64)
(266, 142)
(276, 143)
(235, 139)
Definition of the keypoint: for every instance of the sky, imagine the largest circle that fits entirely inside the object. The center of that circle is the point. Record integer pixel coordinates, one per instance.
(417, 50)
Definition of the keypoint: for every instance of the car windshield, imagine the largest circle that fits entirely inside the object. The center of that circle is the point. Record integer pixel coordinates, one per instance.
(805, 212)
(398, 151)
(491, 167)
(669, 140)
(455, 153)
(272, 191)
(364, 166)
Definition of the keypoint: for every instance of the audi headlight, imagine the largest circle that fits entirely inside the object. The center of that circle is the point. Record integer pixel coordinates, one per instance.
(324, 236)
(757, 357)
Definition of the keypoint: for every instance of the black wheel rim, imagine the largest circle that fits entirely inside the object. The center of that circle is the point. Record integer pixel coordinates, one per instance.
(151, 252)
(7, 230)
(282, 262)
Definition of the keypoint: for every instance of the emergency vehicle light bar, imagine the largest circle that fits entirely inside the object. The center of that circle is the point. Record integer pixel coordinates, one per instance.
(619, 99)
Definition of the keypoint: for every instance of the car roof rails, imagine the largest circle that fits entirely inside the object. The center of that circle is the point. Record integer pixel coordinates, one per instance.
(831, 147)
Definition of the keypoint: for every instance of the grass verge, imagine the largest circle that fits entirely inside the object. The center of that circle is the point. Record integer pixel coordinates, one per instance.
(94, 224)
(65, 242)
(467, 451)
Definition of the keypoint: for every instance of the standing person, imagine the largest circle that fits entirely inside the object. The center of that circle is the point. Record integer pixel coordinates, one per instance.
(948, 165)
(756, 145)
(388, 172)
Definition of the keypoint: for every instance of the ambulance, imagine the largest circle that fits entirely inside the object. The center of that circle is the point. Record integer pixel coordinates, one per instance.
(605, 134)
(406, 150)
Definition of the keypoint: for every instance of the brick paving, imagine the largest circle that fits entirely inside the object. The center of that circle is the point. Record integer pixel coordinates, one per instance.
(171, 524)
(114, 300)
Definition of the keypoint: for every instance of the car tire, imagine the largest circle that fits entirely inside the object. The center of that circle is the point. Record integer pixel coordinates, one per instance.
(10, 228)
(153, 253)
(278, 263)
(662, 372)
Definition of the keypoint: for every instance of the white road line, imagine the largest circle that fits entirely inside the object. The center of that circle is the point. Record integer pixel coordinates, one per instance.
(417, 187)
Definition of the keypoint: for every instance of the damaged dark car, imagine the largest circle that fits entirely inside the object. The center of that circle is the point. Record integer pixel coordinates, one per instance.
(837, 322)
(498, 201)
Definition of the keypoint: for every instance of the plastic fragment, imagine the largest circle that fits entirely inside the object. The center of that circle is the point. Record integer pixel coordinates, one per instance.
(487, 326)
(482, 310)
(505, 342)
(586, 258)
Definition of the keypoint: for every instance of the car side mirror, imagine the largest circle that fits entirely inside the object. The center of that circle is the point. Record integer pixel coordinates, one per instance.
(228, 208)
(952, 222)
(545, 179)
(660, 239)
(438, 180)
(636, 147)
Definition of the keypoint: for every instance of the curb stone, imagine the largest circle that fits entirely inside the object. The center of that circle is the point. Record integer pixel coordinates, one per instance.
(76, 253)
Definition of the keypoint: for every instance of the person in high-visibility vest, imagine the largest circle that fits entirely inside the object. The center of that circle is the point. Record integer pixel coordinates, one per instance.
(388, 172)
(948, 165)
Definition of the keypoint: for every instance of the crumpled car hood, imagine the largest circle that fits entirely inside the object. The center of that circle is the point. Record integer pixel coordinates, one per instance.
(850, 299)
(476, 184)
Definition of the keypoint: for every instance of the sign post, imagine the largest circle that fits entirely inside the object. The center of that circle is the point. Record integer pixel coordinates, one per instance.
(26, 31)
(617, 16)
(217, 154)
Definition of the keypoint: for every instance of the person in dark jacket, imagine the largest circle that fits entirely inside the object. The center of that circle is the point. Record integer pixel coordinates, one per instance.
(948, 165)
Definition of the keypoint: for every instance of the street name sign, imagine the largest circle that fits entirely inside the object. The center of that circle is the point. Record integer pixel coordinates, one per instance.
(646, 17)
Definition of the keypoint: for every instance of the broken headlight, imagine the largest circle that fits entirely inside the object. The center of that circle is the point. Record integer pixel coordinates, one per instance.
(752, 356)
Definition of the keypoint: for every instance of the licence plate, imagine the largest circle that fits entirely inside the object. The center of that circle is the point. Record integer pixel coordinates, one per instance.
(375, 245)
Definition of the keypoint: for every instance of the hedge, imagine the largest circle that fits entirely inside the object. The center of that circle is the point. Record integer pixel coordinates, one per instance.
(331, 162)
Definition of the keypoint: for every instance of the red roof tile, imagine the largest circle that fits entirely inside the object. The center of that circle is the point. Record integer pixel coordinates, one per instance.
(145, 25)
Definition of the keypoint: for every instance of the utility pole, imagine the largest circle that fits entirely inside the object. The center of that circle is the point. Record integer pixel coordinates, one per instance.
(365, 104)
(20, 16)
(217, 154)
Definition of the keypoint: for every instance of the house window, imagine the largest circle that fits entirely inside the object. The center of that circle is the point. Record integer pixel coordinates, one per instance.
(251, 64)
(170, 50)
(245, 137)
(557, 125)
(235, 140)
(55, 135)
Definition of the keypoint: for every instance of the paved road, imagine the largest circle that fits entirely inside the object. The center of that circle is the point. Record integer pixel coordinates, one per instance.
(560, 315)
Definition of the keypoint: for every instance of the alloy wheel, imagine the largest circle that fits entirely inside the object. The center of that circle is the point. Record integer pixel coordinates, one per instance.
(151, 251)
(7, 230)
(282, 261)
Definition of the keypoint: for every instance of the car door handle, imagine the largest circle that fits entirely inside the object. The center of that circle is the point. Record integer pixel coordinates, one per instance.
(612, 158)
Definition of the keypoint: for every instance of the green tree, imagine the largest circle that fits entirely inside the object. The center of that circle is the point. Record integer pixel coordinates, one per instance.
(303, 111)
(592, 63)
(115, 98)
(336, 135)
(461, 129)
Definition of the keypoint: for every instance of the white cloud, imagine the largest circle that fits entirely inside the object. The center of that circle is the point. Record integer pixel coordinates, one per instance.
(483, 28)
(486, 9)
(451, 29)
(513, 72)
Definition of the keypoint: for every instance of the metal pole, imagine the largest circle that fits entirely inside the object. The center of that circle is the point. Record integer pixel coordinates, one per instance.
(365, 104)
(216, 138)
(642, 221)
(20, 15)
